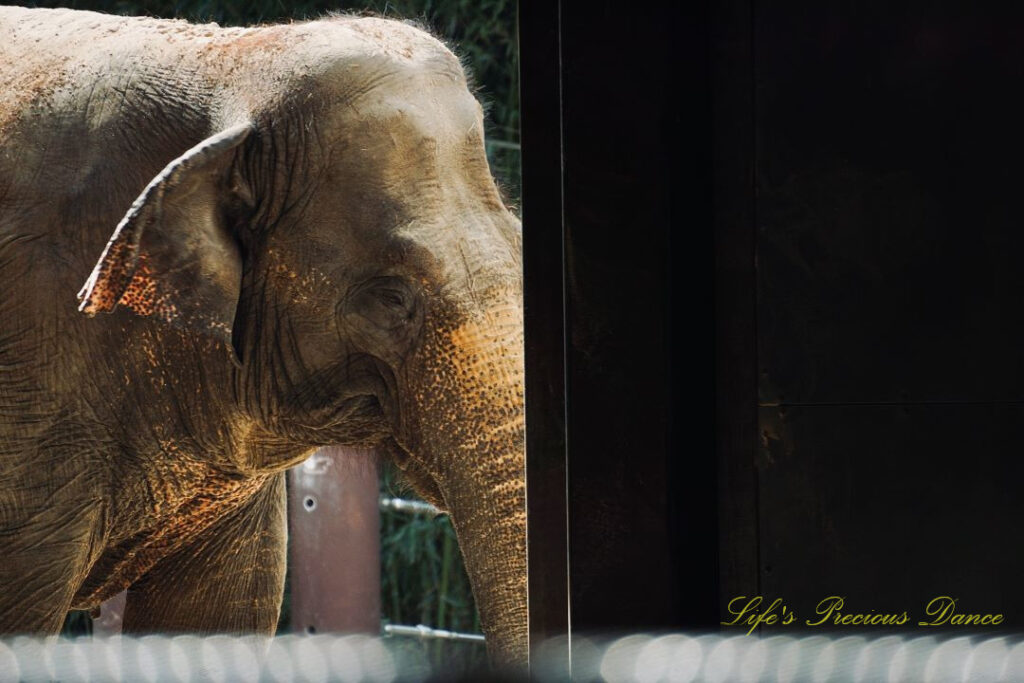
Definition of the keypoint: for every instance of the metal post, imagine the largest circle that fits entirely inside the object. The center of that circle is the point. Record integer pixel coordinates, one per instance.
(111, 616)
(334, 544)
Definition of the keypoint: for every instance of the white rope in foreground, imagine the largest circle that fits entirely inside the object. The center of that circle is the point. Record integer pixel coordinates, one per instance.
(673, 658)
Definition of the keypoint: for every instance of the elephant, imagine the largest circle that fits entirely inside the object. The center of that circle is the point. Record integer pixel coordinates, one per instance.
(220, 249)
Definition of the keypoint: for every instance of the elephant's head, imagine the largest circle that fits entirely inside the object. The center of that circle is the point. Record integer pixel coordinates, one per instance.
(345, 242)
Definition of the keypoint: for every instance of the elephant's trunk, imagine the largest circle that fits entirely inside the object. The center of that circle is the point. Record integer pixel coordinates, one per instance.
(472, 384)
(490, 521)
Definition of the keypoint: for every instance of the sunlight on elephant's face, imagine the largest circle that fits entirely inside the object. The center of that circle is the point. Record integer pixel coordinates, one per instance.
(395, 289)
(398, 241)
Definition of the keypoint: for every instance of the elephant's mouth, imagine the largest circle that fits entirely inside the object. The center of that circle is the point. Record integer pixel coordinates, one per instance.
(348, 404)
(364, 408)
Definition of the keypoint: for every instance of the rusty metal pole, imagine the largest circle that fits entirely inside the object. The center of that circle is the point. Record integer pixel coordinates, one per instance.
(111, 615)
(334, 542)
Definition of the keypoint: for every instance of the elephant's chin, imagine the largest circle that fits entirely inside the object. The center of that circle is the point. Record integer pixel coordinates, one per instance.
(413, 474)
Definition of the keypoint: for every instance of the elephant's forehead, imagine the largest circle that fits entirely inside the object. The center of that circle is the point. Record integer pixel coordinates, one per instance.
(421, 160)
(408, 111)
(408, 154)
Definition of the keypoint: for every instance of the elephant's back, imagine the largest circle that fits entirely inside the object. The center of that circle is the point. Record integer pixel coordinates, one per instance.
(53, 59)
(93, 106)
(41, 32)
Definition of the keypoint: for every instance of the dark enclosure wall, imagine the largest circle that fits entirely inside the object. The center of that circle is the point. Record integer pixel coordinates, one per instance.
(869, 241)
(837, 182)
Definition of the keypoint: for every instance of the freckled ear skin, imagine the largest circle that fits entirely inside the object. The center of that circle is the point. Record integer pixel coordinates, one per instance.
(171, 256)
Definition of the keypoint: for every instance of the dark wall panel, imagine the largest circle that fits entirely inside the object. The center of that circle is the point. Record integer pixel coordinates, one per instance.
(891, 506)
(890, 334)
(888, 179)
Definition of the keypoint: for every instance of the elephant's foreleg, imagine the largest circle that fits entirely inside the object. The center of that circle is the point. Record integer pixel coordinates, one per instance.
(44, 557)
(229, 579)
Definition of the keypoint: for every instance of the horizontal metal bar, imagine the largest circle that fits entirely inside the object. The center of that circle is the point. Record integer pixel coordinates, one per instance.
(501, 144)
(427, 633)
(413, 506)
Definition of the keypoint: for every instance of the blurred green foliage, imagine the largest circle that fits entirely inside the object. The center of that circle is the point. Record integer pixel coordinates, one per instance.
(423, 580)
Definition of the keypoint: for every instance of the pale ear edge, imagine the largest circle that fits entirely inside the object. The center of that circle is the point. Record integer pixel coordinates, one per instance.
(122, 250)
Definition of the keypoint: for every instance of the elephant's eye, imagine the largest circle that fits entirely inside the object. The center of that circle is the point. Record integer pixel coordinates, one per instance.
(386, 302)
(392, 297)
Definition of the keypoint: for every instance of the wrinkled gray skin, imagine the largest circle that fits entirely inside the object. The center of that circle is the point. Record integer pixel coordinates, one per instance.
(316, 254)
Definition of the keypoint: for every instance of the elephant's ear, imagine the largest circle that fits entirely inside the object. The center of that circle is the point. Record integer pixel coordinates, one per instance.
(172, 256)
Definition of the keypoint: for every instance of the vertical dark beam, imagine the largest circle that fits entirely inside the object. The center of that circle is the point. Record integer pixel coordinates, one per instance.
(638, 214)
(543, 268)
(682, 170)
(334, 543)
(735, 295)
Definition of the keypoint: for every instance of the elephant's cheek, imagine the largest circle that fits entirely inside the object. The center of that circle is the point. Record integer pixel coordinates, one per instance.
(468, 393)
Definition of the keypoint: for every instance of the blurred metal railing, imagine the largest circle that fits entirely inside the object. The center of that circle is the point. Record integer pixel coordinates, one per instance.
(785, 659)
(675, 658)
(154, 659)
